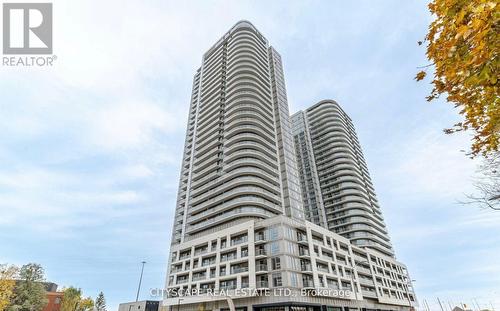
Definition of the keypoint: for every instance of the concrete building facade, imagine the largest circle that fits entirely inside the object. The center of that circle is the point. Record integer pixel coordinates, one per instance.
(337, 190)
(239, 161)
(240, 239)
(143, 305)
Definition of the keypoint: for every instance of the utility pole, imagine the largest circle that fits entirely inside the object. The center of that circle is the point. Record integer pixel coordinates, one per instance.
(426, 305)
(140, 281)
(440, 304)
(478, 307)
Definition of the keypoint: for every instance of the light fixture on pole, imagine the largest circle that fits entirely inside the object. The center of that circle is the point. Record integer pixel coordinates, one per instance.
(140, 281)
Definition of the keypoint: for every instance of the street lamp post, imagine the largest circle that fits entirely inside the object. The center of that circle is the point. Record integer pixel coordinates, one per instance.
(140, 281)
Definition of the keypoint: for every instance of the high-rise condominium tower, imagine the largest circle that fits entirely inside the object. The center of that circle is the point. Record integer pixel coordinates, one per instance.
(239, 230)
(337, 190)
(239, 161)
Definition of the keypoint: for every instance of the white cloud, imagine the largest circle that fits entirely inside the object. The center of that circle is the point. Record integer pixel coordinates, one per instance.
(129, 125)
(137, 171)
(109, 198)
(431, 164)
(30, 178)
(56, 200)
(465, 219)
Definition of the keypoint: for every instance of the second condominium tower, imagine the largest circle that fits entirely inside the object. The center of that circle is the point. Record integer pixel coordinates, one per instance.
(337, 190)
(240, 240)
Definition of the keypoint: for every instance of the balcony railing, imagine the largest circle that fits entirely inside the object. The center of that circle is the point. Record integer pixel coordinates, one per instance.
(228, 257)
(260, 237)
(239, 270)
(305, 267)
(199, 277)
(261, 267)
(307, 283)
(301, 238)
(303, 252)
(207, 263)
(333, 286)
(228, 287)
(362, 269)
(238, 241)
(366, 281)
(205, 290)
(201, 251)
(367, 293)
(260, 252)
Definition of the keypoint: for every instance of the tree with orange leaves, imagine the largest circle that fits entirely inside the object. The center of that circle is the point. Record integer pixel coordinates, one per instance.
(463, 46)
(8, 274)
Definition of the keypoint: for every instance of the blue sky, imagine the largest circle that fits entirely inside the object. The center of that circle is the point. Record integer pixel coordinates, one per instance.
(90, 149)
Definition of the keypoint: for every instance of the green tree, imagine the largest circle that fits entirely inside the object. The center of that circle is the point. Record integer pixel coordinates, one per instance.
(463, 47)
(73, 301)
(86, 304)
(29, 293)
(100, 302)
(8, 274)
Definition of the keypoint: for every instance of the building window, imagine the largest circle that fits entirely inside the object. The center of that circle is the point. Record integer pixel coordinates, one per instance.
(275, 248)
(277, 279)
(294, 280)
(276, 263)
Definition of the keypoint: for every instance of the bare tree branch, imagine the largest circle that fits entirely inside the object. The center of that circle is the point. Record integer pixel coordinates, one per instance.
(487, 184)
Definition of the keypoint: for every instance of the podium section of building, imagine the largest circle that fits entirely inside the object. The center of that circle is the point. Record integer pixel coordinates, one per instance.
(283, 262)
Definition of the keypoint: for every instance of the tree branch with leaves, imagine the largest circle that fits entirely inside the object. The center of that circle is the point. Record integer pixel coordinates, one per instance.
(100, 302)
(73, 300)
(8, 274)
(29, 292)
(463, 46)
